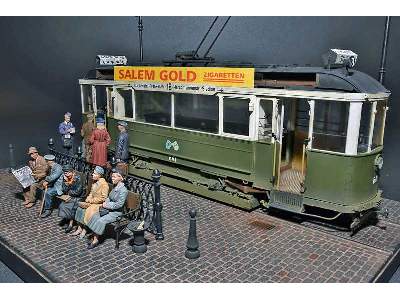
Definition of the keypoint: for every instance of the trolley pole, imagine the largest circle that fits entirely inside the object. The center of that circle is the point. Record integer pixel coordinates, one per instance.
(140, 28)
(384, 51)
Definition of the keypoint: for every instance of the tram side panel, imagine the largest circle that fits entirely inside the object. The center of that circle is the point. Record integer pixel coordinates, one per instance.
(341, 183)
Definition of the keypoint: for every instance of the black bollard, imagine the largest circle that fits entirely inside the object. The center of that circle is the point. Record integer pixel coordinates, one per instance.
(139, 242)
(12, 160)
(79, 152)
(51, 145)
(192, 244)
(113, 162)
(157, 205)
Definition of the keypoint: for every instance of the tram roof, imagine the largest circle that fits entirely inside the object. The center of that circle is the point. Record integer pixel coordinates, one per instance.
(321, 78)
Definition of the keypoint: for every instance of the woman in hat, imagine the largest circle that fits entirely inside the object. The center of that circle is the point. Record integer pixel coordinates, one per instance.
(100, 139)
(110, 210)
(72, 189)
(93, 202)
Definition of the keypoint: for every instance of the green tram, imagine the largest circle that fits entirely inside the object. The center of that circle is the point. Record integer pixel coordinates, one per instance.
(303, 139)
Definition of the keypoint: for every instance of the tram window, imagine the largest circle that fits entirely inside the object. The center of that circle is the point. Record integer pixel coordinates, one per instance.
(197, 112)
(153, 107)
(330, 125)
(363, 136)
(236, 116)
(87, 98)
(377, 138)
(265, 120)
(123, 106)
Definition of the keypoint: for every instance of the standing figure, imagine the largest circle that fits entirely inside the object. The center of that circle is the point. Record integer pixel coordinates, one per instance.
(110, 210)
(53, 183)
(72, 189)
(93, 201)
(86, 132)
(122, 145)
(67, 131)
(100, 139)
(39, 169)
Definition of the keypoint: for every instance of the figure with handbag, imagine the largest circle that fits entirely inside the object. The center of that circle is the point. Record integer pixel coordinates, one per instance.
(93, 202)
(67, 131)
(110, 210)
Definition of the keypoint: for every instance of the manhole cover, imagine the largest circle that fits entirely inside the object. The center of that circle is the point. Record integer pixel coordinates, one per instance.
(262, 224)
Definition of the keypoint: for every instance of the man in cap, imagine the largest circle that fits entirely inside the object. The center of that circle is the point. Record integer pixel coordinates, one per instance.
(72, 189)
(86, 132)
(67, 131)
(92, 203)
(110, 210)
(122, 145)
(39, 169)
(53, 183)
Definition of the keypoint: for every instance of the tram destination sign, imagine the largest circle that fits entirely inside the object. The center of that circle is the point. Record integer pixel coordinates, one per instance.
(210, 76)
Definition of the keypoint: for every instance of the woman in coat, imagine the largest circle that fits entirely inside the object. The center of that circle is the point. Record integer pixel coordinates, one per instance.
(72, 189)
(100, 139)
(93, 202)
(110, 210)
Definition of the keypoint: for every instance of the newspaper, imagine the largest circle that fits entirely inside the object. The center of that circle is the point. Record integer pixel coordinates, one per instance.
(24, 176)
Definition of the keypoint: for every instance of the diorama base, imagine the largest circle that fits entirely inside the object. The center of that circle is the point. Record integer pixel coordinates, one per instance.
(235, 246)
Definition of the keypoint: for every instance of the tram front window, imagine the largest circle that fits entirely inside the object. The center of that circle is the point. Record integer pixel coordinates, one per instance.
(153, 107)
(236, 116)
(365, 123)
(330, 125)
(265, 120)
(87, 98)
(197, 112)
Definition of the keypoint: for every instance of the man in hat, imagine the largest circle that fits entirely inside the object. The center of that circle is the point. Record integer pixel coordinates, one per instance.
(92, 203)
(72, 189)
(110, 210)
(39, 169)
(122, 145)
(86, 132)
(53, 183)
(67, 131)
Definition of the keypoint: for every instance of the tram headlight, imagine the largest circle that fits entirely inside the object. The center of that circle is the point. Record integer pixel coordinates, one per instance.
(338, 58)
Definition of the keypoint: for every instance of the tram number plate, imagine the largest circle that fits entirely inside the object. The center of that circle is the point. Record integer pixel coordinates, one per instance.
(172, 158)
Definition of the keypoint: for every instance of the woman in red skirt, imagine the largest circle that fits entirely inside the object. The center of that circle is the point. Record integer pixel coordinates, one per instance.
(100, 139)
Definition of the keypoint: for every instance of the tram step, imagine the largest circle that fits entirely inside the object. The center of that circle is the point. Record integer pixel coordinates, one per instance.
(286, 201)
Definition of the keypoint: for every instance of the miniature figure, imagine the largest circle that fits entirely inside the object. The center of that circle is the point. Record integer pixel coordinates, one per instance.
(93, 202)
(111, 208)
(72, 189)
(67, 131)
(122, 145)
(52, 184)
(100, 139)
(86, 132)
(39, 169)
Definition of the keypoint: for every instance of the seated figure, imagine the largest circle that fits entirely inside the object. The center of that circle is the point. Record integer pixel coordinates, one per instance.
(110, 210)
(93, 201)
(72, 189)
(39, 169)
(53, 184)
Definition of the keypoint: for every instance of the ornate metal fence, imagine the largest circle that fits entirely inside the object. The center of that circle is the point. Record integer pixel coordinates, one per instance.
(149, 191)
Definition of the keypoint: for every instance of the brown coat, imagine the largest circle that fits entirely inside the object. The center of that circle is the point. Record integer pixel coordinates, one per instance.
(98, 194)
(39, 168)
(100, 139)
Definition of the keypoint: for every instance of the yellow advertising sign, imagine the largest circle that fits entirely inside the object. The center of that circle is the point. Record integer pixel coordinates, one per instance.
(228, 77)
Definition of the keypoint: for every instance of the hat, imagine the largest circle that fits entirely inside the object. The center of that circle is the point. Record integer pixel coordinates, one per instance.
(49, 157)
(118, 171)
(99, 120)
(122, 123)
(32, 150)
(67, 114)
(99, 170)
(67, 168)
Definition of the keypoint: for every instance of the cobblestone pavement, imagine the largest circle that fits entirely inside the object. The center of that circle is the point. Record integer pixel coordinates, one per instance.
(236, 246)
(384, 235)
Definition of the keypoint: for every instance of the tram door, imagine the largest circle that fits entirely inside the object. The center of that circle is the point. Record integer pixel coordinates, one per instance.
(292, 135)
